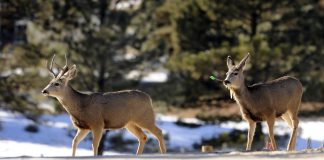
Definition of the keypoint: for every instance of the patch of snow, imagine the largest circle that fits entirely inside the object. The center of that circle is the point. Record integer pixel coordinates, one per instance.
(134, 74)
(160, 117)
(235, 125)
(17, 71)
(174, 119)
(13, 148)
(46, 105)
(127, 4)
(157, 76)
(307, 129)
(185, 137)
(52, 139)
(55, 134)
(312, 129)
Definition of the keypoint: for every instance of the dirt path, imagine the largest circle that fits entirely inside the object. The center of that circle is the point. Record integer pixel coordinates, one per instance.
(230, 111)
(302, 155)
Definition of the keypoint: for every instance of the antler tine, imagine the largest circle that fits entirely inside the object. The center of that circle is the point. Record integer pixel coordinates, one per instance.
(66, 61)
(50, 67)
(58, 66)
(65, 68)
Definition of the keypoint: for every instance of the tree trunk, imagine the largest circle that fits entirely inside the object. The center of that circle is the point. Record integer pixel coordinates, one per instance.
(254, 22)
(255, 15)
(101, 84)
(101, 80)
(258, 138)
(101, 147)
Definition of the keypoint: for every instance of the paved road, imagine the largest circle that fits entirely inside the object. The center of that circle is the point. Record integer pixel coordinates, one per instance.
(313, 155)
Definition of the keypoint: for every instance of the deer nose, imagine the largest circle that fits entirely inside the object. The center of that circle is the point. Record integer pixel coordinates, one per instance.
(45, 92)
(226, 82)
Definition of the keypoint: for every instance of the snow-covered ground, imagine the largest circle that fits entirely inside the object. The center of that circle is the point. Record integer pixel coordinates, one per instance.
(308, 129)
(55, 134)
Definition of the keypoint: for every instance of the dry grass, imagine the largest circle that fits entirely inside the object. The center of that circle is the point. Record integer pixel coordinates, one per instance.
(225, 110)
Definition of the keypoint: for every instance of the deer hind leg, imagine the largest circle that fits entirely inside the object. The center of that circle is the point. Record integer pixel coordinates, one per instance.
(157, 133)
(80, 135)
(96, 137)
(270, 123)
(140, 135)
(287, 118)
(159, 136)
(251, 132)
(292, 141)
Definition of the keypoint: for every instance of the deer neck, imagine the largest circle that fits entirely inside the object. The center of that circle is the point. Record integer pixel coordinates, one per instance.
(72, 100)
(241, 94)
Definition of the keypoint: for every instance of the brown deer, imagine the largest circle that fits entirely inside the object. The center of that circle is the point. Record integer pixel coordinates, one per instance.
(265, 101)
(96, 112)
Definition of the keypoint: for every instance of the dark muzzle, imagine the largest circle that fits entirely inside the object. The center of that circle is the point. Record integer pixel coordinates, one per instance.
(45, 92)
(226, 82)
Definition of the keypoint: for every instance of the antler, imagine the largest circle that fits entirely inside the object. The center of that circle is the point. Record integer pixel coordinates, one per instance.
(66, 61)
(50, 67)
(65, 68)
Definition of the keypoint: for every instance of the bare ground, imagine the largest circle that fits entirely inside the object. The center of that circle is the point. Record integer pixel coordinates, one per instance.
(230, 111)
(316, 154)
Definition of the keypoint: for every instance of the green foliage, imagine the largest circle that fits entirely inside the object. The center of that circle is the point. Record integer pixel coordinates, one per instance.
(190, 38)
(92, 34)
(284, 38)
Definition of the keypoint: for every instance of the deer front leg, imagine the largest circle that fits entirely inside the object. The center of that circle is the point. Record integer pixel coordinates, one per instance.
(96, 137)
(80, 135)
(251, 132)
(270, 123)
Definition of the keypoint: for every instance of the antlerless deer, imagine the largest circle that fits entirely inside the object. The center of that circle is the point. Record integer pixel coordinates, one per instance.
(265, 101)
(130, 109)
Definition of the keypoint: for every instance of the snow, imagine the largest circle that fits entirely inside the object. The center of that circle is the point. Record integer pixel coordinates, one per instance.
(10, 148)
(185, 137)
(133, 74)
(55, 134)
(157, 77)
(150, 77)
(51, 140)
(307, 130)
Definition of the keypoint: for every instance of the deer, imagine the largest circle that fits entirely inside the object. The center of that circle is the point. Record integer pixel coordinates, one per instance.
(97, 112)
(265, 101)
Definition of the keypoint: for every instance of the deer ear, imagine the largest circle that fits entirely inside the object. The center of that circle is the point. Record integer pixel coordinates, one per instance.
(230, 62)
(243, 62)
(71, 73)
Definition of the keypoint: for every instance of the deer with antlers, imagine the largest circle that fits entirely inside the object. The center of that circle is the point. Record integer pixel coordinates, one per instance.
(265, 101)
(96, 112)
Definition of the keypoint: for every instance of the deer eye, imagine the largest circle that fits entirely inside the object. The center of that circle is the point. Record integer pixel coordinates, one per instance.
(56, 84)
(235, 74)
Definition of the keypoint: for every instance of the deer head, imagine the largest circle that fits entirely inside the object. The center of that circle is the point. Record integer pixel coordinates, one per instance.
(234, 77)
(57, 86)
